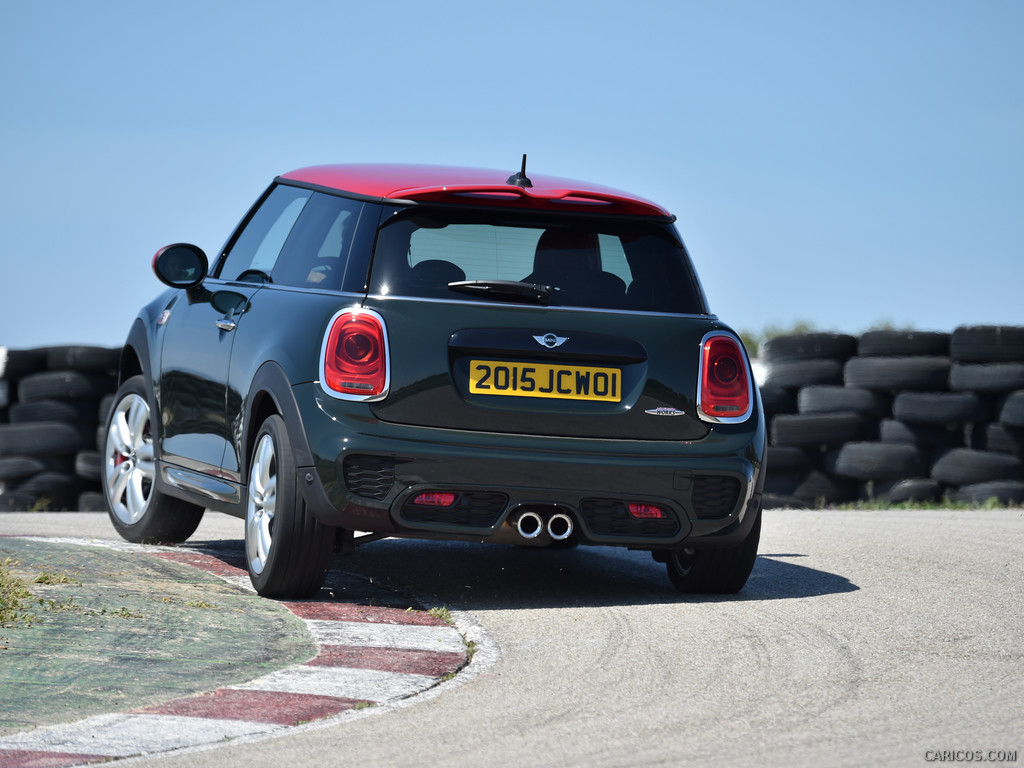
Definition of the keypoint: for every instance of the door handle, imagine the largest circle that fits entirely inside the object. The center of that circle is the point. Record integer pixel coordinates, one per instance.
(227, 323)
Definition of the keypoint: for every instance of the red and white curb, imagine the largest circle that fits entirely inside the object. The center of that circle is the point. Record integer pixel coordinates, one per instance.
(370, 660)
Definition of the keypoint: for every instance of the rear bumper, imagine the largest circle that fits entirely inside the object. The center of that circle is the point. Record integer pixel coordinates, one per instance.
(367, 475)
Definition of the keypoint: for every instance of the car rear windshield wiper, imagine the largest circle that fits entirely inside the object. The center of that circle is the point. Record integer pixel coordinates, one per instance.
(504, 290)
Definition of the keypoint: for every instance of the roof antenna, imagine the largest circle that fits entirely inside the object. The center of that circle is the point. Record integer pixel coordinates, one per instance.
(520, 179)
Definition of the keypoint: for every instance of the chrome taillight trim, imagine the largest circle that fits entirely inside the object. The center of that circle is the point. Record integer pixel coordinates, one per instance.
(387, 358)
(752, 393)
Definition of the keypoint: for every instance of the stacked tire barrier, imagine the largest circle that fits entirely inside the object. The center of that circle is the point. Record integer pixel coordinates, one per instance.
(53, 402)
(895, 416)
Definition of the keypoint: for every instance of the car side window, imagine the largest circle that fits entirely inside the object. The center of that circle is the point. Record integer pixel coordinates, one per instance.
(316, 252)
(256, 249)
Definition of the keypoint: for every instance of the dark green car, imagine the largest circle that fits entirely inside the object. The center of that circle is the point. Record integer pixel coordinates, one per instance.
(440, 353)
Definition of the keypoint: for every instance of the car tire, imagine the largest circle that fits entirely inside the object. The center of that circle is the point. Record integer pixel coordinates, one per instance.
(60, 385)
(808, 346)
(913, 490)
(287, 551)
(43, 438)
(887, 343)
(1005, 493)
(83, 358)
(877, 461)
(794, 374)
(939, 408)
(964, 466)
(924, 435)
(986, 377)
(837, 398)
(73, 411)
(139, 511)
(987, 344)
(715, 571)
(895, 374)
(1012, 409)
(815, 429)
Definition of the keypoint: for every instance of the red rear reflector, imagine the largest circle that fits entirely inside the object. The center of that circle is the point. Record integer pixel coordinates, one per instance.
(434, 499)
(355, 358)
(646, 511)
(724, 382)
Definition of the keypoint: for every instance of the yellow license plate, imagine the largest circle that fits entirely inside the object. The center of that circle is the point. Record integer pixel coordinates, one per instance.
(565, 382)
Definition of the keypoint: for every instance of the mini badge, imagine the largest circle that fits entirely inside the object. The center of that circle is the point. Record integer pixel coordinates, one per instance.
(164, 317)
(551, 340)
(665, 411)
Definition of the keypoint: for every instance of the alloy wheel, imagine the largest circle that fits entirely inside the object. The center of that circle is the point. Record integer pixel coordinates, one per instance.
(129, 466)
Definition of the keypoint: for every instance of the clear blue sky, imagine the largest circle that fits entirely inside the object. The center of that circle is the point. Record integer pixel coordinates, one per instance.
(842, 163)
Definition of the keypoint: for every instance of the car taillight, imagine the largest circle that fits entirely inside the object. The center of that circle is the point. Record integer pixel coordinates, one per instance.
(354, 360)
(725, 388)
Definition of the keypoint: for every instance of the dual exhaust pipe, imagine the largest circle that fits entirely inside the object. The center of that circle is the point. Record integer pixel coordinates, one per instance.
(530, 525)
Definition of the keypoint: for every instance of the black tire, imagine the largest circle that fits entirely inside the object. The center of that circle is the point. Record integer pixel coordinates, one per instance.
(104, 408)
(817, 489)
(89, 465)
(15, 468)
(939, 408)
(818, 429)
(986, 377)
(808, 346)
(52, 483)
(1003, 492)
(893, 431)
(65, 385)
(82, 358)
(963, 466)
(43, 438)
(775, 399)
(91, 501)
(903, 344)
(836, 399)
(999, 438)
(896, 374)
(795, 374)
(287, 550)
(1011, 412)
(11, 501)
(781, 501)
(139, 511)
(812, 488)
(920, 489)
(5, 393)
(77, 411)
(783, 459)
(987, 344)
(15, 363)
(715, 571)
(877, 461)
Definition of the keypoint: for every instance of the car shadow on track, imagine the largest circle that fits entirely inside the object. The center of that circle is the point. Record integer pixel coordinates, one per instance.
(485, 576)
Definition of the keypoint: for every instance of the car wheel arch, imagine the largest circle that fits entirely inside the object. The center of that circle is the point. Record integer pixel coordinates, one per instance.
(270, 392)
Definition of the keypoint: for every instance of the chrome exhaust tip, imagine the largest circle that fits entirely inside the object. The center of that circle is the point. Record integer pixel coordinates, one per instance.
(560, 526)
(529, 525)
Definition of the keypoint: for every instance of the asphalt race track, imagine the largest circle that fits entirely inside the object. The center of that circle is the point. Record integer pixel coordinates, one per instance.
(862, 638)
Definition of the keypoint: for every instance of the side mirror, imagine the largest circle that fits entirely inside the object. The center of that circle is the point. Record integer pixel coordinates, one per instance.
(180, 265)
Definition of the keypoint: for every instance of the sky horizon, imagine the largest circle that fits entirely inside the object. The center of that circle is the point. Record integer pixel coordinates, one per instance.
(842, 165)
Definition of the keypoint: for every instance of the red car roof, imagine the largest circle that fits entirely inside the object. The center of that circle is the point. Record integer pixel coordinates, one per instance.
(436, 183)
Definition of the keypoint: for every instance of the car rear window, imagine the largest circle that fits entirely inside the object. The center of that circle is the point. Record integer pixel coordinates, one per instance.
(588, 262)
